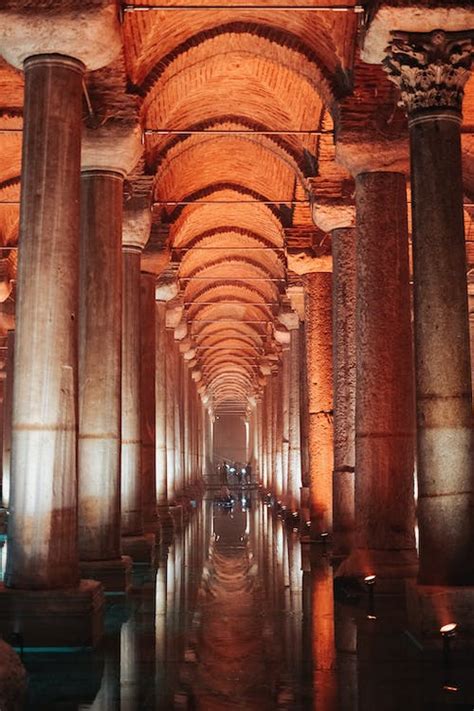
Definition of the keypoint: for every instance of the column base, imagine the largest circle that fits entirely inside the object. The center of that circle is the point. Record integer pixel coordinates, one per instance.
(391, 567)
(141, 549)
(70, 617)
(115, 574)
(432, 606)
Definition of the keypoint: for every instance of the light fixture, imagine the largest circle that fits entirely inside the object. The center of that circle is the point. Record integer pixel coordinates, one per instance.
(448, 632)
(369, 582)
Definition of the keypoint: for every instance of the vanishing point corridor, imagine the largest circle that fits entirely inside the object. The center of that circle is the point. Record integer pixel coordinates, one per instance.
(236, 355)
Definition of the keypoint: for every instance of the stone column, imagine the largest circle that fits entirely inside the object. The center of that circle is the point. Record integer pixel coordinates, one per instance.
(43, 548)
(160, 404)
(318, 305)
(147, 393)
(338, 220)
(294, 454)
(264, 443)
(186, 430)
(42, 551)
(134, 541)
(278, 433)
(285, 405)
(431, 70)
(107, 156)
(170, 415)
(7, 421)
(269, 435)
(344, 368)
(291, 321)
(304, 421)
(178, 420)
(384, 499)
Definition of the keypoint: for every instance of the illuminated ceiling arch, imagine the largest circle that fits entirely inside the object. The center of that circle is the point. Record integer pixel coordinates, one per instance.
(229, 181)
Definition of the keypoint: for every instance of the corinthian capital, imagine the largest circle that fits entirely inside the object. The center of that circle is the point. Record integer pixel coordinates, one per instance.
(430, 69)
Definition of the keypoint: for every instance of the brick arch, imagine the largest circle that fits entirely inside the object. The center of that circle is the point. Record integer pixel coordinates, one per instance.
(314, 44)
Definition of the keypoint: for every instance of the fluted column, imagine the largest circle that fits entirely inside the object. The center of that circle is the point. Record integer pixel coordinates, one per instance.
(318, 317)
(431, 70)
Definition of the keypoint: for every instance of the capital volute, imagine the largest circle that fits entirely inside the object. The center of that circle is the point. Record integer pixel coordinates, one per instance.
(430, 69)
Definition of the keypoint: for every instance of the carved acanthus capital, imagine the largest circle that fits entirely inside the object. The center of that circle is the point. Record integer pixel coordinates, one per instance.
(430, 68)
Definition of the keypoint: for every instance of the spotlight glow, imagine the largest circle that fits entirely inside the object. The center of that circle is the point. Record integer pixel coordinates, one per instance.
(370, 579)
(449, 630)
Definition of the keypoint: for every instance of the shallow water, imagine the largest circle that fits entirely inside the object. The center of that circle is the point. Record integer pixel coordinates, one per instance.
(240, 615)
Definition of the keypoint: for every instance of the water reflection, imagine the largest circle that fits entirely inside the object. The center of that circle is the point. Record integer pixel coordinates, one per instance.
(240, 615)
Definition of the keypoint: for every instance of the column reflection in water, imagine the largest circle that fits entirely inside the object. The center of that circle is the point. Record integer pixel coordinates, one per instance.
(177, 581)
(295, 604)
(129, 672)
(323, 636)
(160, 630)
(346, 646)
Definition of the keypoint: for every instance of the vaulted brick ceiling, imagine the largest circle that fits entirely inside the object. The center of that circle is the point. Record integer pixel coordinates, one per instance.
(231, 187)
(235, 74)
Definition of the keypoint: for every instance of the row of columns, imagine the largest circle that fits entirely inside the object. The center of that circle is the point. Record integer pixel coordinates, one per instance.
(362, 376)
(85, 479)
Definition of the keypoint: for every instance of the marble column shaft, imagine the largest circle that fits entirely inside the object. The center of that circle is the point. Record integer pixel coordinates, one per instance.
(344, 368)
(42, 550)
(384, 498)
(132, 514)
(442, 352)
(278, 433)
(285, 405)
(160, 403)
(318, 317)
(100, 307)
(294, 453)
(7, 421)
(170, 415)
(147, 398)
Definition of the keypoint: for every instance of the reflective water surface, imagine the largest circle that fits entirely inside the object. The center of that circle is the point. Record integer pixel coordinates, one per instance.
(241, 615)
